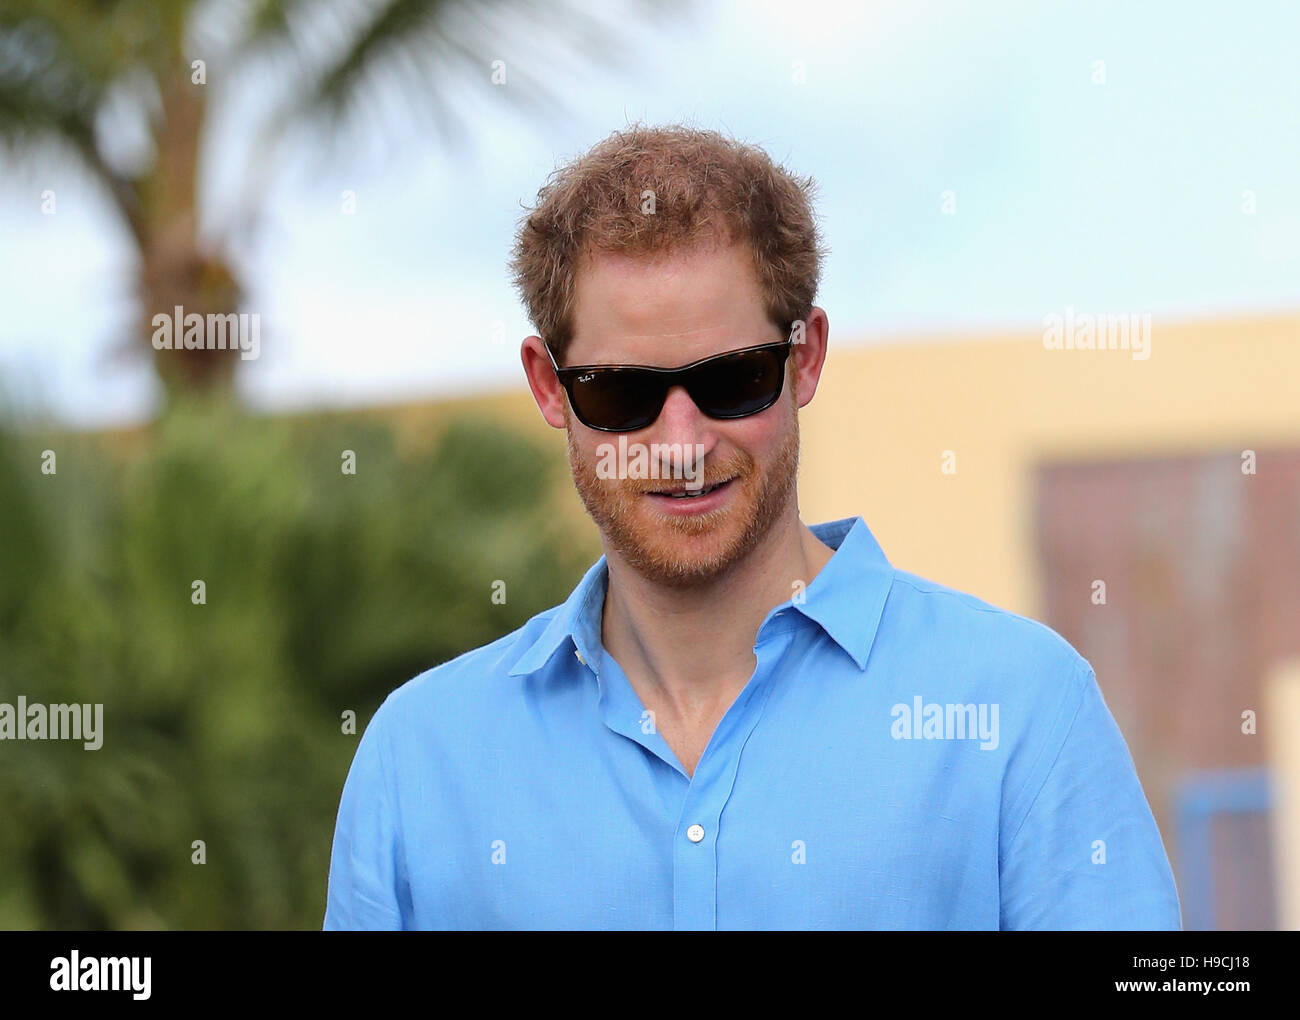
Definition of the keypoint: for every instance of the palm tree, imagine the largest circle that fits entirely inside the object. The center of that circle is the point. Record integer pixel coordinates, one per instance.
(75, 73)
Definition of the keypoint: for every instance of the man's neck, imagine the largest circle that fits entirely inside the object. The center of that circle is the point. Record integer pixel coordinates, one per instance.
(692, 649)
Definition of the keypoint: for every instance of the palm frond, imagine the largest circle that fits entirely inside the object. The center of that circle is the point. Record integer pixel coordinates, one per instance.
(350, 56)
(49, 97)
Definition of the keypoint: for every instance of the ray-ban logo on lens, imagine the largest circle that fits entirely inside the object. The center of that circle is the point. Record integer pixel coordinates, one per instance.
(653, 460)
(931, 721)
(182, 331)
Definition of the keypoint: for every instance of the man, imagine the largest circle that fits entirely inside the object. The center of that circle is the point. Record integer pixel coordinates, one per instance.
(736, 720)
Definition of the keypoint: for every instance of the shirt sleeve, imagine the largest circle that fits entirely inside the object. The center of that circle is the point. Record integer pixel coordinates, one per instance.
(1087, 854)
(366, 873)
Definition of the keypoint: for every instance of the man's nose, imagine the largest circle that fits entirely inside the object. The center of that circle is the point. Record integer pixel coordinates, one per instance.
(685, 431)
(680, 420)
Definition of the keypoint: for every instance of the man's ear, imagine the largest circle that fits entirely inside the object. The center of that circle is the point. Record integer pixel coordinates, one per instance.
(808, 355)
(547, 391)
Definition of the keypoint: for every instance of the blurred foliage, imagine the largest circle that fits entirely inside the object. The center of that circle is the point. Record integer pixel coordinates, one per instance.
(222, 721)
(119, 89)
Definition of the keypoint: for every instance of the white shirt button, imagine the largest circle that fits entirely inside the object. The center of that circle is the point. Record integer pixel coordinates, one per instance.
(695, 833)
(579, 655)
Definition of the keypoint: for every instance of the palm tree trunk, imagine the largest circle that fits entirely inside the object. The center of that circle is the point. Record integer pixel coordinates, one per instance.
(175, 269)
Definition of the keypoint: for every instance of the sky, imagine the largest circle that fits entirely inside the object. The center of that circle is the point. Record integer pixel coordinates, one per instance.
(1117, 157)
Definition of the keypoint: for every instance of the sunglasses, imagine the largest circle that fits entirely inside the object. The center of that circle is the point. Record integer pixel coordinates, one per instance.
(624, 398)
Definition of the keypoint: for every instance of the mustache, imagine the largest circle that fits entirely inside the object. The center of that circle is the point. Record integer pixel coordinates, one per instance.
(723, 472)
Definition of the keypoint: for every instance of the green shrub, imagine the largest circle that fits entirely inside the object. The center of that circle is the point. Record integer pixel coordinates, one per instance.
(222, 721)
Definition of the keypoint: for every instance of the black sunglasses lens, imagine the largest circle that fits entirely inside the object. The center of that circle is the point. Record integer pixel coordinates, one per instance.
(616, 400)
(744, 383)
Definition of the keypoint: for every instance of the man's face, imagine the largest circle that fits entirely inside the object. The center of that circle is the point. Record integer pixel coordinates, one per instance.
(667, 313)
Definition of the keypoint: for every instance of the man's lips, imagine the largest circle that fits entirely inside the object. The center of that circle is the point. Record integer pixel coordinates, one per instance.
(684, 491)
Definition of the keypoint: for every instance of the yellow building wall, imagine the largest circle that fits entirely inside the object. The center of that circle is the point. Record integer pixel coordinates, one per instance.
(875, 435)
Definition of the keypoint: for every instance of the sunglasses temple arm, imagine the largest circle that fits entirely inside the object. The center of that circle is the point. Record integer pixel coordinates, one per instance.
(552, 357)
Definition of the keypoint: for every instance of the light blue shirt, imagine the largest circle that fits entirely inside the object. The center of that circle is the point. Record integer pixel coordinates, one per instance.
(904, 756)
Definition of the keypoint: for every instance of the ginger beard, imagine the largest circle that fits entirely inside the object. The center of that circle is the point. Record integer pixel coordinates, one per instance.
(686, 551)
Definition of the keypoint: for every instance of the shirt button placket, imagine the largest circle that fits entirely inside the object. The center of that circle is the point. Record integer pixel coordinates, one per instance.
(695, 867)
(695, 846)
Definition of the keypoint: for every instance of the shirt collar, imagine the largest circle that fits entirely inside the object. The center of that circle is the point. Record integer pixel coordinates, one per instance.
(577, 619)
(846, 599)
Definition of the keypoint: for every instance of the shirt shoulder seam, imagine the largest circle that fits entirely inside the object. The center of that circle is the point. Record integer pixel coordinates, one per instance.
(1076, 693)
